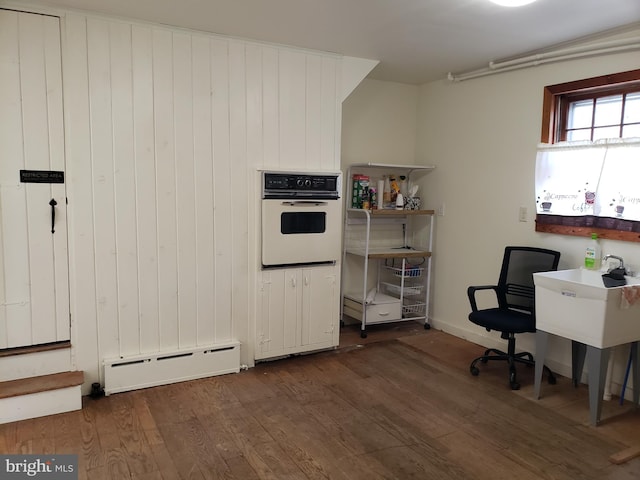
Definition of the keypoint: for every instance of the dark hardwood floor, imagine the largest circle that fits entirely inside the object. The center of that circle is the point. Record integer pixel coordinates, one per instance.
(400, 404)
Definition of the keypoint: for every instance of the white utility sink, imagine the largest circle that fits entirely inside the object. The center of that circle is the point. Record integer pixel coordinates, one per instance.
(575, 304)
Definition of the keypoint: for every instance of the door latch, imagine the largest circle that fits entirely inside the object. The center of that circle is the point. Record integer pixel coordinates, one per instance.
(53, 204)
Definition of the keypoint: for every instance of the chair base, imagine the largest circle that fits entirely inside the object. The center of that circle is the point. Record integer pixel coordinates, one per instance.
(511, 358)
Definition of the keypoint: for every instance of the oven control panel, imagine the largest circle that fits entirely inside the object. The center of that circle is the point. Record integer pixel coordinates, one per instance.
(291, 185)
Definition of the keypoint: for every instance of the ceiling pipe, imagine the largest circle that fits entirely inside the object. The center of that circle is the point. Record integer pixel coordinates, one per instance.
(603, 48)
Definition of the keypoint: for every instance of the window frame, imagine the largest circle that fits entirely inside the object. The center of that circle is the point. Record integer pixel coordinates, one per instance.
(554, 100)
(553, 105)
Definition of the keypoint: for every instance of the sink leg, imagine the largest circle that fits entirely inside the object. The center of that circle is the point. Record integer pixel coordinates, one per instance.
(578, 352)
(541, 351)
(597, 360)
(635, 357)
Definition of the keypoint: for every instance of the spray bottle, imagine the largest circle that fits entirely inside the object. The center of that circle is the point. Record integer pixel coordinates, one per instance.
(592, 255)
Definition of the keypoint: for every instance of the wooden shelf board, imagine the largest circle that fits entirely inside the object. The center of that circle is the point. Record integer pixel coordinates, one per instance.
(417, 168)
(390, 212)
(391, 253)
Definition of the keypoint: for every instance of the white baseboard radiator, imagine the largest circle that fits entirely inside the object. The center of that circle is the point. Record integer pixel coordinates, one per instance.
(149, 370)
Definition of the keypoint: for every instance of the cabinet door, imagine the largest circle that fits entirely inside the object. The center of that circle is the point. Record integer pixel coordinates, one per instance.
(320, 316)
(34, 277)
(278, 326)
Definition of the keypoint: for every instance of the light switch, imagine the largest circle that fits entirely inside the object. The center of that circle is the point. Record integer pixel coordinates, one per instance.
(522, 215)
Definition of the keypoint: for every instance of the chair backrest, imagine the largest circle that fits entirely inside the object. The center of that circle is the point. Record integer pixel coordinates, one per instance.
(516, 289)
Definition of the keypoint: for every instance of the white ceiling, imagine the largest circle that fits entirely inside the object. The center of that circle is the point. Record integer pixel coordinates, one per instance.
(415, 40)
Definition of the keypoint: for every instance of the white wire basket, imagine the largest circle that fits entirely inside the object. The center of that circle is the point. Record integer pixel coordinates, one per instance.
(409, 271)
(413, 309)
(409, 290)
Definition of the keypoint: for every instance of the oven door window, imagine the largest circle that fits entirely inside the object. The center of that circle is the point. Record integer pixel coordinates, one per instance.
(294, 223)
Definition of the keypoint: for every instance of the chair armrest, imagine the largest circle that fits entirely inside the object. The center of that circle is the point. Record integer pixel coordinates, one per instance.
(471, 293)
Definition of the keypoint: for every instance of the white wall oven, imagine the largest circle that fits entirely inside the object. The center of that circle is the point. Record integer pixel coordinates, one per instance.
(301, 218)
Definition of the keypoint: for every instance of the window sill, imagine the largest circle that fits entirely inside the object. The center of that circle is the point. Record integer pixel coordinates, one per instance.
(604, 233)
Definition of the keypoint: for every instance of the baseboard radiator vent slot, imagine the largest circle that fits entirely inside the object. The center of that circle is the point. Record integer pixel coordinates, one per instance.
(142, 371)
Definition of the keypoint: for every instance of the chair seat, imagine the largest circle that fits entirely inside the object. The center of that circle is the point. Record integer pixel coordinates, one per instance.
(504, 320)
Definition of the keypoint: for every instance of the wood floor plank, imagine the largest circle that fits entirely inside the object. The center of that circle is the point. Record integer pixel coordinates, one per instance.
(397, 406)
(91, 454)
(478, 459)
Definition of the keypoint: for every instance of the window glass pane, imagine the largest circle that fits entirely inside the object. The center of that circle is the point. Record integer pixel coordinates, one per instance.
(606, 132)
(632, 108)
(608, 111)
(574, 135)
(631, 131)
(580, 114)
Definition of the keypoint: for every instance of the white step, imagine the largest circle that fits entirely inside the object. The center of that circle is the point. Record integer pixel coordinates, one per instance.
(35, 361)
(39, 396)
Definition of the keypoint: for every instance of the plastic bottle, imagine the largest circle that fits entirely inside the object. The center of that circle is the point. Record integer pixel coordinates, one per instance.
(592, 255)
(403, 186)
(373, 199)
(395, 189)
(365, 199)
(386, 193)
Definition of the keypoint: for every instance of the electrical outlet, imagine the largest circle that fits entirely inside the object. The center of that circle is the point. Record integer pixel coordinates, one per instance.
(441, 210)
(522, 214)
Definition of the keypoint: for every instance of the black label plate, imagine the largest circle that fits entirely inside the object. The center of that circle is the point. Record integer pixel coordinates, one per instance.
(41, 176)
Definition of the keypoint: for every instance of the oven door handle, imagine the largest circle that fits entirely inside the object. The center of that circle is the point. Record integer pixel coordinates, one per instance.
(304, 203)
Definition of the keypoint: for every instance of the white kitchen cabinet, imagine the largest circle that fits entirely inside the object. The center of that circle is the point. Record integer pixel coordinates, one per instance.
(387, 258)
(298, 312)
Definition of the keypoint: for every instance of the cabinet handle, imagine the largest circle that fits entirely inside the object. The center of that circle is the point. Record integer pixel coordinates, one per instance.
(53, 204)
(306, 281)
(293, 281)
(383, 314)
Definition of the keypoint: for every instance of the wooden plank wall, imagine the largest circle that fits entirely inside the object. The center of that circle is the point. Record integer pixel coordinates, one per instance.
(165, 131)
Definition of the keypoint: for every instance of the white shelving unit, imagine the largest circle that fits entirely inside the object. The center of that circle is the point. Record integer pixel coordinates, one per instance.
(397, 246)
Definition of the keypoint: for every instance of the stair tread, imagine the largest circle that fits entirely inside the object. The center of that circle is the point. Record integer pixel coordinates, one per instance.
(45, 347)
(43, 383)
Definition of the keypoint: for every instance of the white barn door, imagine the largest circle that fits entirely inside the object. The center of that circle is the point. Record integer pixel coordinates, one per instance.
(34, 291)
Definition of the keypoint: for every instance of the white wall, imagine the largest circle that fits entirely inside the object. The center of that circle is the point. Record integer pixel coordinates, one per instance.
(379, 124)
(482, 136)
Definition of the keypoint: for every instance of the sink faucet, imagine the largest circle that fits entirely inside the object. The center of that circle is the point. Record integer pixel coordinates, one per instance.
(621, 266)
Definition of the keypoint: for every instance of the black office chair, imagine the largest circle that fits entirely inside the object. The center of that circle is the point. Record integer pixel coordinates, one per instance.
(515, 312)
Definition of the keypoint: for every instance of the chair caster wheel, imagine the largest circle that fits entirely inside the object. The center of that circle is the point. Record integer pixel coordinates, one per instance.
(512, 381)
(363, 334)
(552, 380)
(474, 371)
(427, 326)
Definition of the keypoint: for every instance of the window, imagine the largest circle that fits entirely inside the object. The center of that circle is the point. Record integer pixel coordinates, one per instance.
(597, 110)
(595, 118)
(591, 109)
